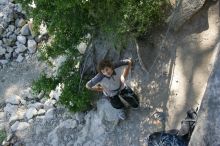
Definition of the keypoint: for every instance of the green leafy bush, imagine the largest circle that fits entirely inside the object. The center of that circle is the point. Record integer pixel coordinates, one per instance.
(70, 21)
(74, 94)
(44, 83)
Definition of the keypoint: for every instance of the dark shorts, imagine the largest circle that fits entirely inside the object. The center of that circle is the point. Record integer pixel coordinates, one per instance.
(128, 95)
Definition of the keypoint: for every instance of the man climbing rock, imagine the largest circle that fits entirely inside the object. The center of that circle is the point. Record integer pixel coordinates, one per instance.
(111, 81)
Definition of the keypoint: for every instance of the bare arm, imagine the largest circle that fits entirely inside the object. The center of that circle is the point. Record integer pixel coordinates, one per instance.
(93, 83)
(126, 71)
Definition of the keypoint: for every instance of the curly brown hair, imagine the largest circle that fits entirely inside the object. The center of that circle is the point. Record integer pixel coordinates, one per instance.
(103, 64)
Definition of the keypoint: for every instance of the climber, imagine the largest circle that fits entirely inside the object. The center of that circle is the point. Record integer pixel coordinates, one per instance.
(111, 81)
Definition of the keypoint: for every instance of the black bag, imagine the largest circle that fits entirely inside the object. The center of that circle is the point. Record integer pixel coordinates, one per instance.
(165, 139)
(180, 137)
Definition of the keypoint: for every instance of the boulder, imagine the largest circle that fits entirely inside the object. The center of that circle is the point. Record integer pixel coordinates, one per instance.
(20, 48)
(2, 51)
(15, 117)
(207, 129)
(27, 93)
(49, 114)
(8, 56)
(21, 39)
(19, 126)
(3, 2)
(82, 47)
(36, 105)
(9, 49)
(186, 9)
(3, 62)
(31, 112)
(95, 53)
(25, 30)
(10, 28)
(49, 104)
(20, 58)
(40, 95)
(8, 41)
(15, 99)
(32, 46)
(21, 22)
(55, 94)
(41, 112)
(14, 126)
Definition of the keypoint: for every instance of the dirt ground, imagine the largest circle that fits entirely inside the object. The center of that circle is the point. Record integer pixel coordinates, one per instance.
(175, 81)
(16, 77)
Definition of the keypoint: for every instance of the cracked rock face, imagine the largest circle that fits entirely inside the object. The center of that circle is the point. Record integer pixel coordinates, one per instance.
(207, 128)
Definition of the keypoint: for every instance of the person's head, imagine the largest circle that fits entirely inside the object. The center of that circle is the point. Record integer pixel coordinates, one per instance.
(106, 67)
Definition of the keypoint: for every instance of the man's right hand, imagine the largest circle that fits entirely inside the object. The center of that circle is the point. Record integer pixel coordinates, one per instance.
(99, 89)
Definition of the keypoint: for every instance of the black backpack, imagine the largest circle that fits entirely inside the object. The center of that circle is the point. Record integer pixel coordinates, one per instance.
(179, 137)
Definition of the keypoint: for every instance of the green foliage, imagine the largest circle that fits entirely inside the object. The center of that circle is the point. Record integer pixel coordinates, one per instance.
(70, 21)
(3, 135)
(44, 83)
(73, 97)
(74, 94)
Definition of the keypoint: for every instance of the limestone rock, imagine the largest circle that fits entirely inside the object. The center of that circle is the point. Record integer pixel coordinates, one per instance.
(36, 105)
(18, 8)
(5, 143)
(49, 104)
(25, 30)
(15, 99)
(20, 48)
(207, 128)
(9, 49)
(41, 112)
(8, 56)
(10, 28)
(31, 112)
(14, 126)
(15, 117)
(27, 93)
(20, 22)
(22, 126)
(23, 102)
(53, 136)
(21, 39)
(20, 58)
(8, 41)
(55, 94)
(49, 114)
(32, 46)
(3, 2)
(40, 95)
(186, 9)
(19, 126)
(3, 62)
(82, 47)
(2, 51)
